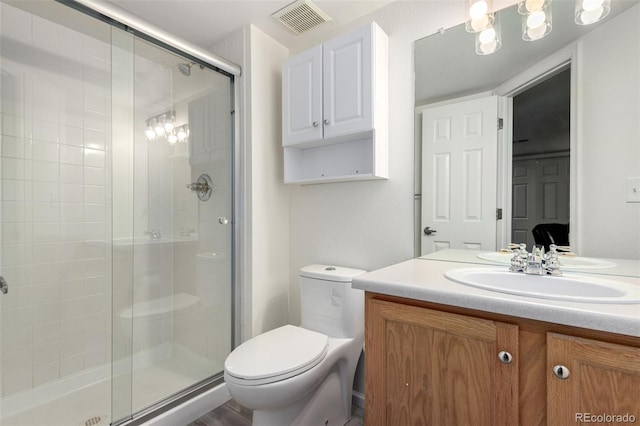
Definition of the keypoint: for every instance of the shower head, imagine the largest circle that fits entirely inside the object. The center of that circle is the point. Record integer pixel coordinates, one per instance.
(185, 69)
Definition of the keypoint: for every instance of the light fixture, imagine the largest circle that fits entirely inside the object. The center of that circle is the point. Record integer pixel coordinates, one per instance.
(182, 132)
(163, 126)
(172, 138)
(591, 11)
(488, 40)
(479, 15)
(169, 123)
(536, 18)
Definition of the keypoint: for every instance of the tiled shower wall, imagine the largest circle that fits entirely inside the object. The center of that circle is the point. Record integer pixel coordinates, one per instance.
(56, 225)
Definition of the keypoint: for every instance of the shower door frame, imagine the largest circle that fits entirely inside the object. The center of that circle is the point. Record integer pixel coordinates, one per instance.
(121, 19)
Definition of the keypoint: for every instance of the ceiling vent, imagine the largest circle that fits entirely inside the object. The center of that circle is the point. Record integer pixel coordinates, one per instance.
(301, 16)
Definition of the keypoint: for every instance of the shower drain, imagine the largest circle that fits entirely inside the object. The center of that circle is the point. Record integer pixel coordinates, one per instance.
(94, 421)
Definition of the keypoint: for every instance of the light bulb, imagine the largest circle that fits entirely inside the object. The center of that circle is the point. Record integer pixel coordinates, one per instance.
(172, 138)
(533, 5)
(182, 134)
(150, 133)
(159, 129)
(537, 33)
(477, 9)
(487, 36)
(592, 5)
(490, 47)
(591, 16)
(536, 19)
(169, 124)
(480, 23)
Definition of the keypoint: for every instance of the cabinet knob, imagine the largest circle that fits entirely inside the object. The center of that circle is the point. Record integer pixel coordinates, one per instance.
(561, 372)
(505, 357)
(326, 121)
(315, 124)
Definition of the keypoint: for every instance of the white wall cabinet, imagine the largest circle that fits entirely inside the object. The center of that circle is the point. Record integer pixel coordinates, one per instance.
(335, 109)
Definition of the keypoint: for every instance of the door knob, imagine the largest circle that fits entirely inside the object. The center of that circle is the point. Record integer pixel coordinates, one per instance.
(315, 124)
(223, 220)
(429, 231)
(561, 372)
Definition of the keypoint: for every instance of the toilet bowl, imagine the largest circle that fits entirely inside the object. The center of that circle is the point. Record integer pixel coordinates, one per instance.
(304, 375)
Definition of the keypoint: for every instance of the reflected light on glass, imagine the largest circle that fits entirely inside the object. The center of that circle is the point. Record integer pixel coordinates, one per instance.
(172, 138)
(479, 16)
(536, 24)
(169, 124)
(488, 40)
(150, 133)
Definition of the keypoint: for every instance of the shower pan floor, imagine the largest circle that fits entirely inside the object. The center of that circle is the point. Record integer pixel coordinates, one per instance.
(150, 384)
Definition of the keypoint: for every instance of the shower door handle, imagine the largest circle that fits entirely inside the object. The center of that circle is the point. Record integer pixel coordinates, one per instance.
(4, 287)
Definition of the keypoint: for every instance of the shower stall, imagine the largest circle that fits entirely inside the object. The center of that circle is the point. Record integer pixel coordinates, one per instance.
(117, 196)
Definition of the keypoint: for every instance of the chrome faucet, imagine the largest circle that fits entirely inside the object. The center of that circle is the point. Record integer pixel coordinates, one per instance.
(537, 262)
(154, 234)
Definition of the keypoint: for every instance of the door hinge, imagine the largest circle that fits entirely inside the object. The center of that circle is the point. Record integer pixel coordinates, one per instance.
(500, 124)
(498, 214)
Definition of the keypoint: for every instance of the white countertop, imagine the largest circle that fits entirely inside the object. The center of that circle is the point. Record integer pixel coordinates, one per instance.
(423, 279)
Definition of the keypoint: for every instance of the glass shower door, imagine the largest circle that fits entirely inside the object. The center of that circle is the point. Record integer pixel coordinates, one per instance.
(172, 225)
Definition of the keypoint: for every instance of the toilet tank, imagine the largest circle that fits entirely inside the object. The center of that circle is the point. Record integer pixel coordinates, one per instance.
(328, 304)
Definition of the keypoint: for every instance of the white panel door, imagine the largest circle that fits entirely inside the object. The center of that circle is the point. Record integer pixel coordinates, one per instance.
(459, 177)
(347, 79)
(302, 97)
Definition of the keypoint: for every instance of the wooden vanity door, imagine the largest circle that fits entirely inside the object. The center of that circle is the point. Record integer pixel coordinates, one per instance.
(603, 379)
(426, 367)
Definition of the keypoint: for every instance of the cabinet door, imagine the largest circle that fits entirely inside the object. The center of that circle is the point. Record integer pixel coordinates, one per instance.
(429, 367)
(302, 97)
(347, 79)
(603, 380)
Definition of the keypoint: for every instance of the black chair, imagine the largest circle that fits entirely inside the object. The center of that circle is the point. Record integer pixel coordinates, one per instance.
(545, 234)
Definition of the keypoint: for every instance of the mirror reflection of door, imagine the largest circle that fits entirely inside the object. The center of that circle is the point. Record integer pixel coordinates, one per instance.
(540, 162)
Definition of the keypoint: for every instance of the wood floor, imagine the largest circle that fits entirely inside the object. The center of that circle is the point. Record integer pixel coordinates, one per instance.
(233, 414)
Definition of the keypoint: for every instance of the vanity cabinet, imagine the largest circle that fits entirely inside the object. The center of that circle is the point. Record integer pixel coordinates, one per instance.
(432, 364)
(335, 109)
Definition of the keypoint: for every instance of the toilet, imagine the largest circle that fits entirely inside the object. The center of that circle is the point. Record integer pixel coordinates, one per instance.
(304, 375)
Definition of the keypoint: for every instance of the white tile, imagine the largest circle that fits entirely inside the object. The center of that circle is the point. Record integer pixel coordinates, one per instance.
(17, 360)
(71, 212)
(72, 97)
(71, 231)
(45, 130)
(16, 340)
(13, 319)
(71, 193)
(70, 135)
(13, 168)
(94, 194)
(18, 275)
(95, 357)
(94, 158)
(47, 252)
(13, 190)
(95, 213)
(96, 121)
(94, 176)
(71, 116)
(45, 172)
(18, 297)
(46, 113)
(72, 308)
(12, 125)
(46, 293)
(96, 48)
(70, 174)
(13, 211)
(43, 28)
(46, 373)
(17, 254)
(71, 327)
(95, 231)
(46, 232)
(72, 289)
(15, 382)
(73, 251)
(46, 335)
(96, 267)
(43, 273)
(47, 313)
(15, 233)
(71, 365)
(72, 270)
(12, 146)
(96, 103)
(71, 154)
(44, 151)
(46, 212)
(95, 139)
(96, 303)
(45, 353)
(96, 321)
(48, 192)
(72, 346)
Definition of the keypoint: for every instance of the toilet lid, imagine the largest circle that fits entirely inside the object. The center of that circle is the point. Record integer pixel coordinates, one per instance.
(277, 354)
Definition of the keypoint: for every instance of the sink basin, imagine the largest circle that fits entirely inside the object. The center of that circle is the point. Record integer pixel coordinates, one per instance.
(566, 262)
(572, 288)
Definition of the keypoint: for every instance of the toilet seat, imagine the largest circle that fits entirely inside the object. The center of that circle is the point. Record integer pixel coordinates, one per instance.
(276, 355)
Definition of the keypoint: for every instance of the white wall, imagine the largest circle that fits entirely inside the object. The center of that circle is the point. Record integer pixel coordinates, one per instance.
(609, 131)
(266, 198)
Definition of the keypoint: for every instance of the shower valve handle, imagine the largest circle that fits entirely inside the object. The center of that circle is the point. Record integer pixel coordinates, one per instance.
(199, 187)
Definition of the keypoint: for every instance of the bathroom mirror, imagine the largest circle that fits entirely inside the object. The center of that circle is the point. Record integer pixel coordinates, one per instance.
(601, 63)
